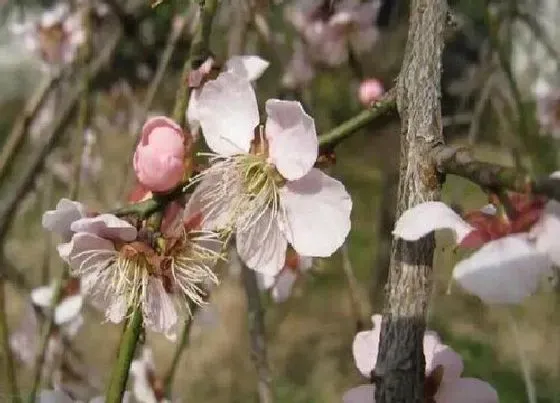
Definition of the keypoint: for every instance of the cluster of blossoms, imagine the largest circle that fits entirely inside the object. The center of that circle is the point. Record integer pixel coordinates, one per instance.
(443, 382)
(516, 251)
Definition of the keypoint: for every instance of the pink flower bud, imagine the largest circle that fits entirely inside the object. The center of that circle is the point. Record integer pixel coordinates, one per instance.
(159, 157)
(370, 90)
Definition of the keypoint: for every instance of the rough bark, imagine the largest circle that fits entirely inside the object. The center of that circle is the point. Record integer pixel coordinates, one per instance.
(400, 365)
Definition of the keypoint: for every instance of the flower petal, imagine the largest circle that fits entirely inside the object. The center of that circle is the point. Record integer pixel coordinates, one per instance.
(547, 231)
(54, 396)
(360, 394)
(193, 115)
(467, 390)
(158, 309)
(85, 252)
(228, 114)
(106, 226)
(115, 309)
(158, 122)
(24, 339)
(449, 359)
(317, 209)
(293, 144)
(43, 296)
(68, 309)
(283, 287)
(365, 347)
(249, 67)
(59, 220)
(424, 218)
(263, 246)
(504, 271)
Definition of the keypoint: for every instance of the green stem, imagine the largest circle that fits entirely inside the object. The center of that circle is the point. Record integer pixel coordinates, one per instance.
(199, 52)
(384, 105)
(8, 357)
(119, 375)
(48, 328)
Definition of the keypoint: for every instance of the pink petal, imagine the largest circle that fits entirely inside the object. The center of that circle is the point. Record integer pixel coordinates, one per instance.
(283, 287)
(504, 271)
(360, 394)
(106, 226)
(68, 309)
(60, 219)
(449, 359)
(158, 122)
(249, 67)
(228, 114)
(317, 209)
(365, 347)
(424, 218)
(292, 138)
(76, 251)
(263, 246)
(158, 309)
(159, 172)
(467, 390)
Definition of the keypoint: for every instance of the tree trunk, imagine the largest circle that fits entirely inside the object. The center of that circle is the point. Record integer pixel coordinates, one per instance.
(399, 372)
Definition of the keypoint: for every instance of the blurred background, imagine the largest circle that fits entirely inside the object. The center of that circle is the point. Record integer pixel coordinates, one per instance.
(500, 95)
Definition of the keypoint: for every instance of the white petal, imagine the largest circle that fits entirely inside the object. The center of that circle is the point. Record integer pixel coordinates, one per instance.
(228, 114)
(293, 144)
(53, 396)
(23, 341)
(158, 309)
(106, 226)
(249, 67)
(192, 113)
(365, 348)
(86, 252)
(504, 271)
(263, 246)
(116, 309)
(317, 209)
(360, 394)
(547, 231)
(71, 328)
(59, 220)
(284, 283)
(467, 390)
(43, 296)
(449, 359)
(424, 218)
(68, 309)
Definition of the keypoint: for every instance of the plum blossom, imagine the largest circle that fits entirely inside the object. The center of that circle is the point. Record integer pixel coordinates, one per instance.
(58, 396)
(55, 37)
(147, 387)
(299, 71)
(282, 283)
(548, 108)
(443, 382)
(370, 90)
(514, 254)
(60, 220)
(250, 67)
(159, 159)
(121, 268)
(263, 186)
(330, 30)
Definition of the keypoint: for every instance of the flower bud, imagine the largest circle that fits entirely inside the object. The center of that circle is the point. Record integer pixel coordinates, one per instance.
(370, 90)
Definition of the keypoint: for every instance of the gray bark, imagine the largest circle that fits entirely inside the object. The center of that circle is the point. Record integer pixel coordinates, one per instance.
(399, 372)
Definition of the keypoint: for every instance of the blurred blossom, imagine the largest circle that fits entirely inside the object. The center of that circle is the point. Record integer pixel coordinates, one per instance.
(330, 30)
(159, 159)
(121, 268)
(299, 71)
(370, 91)
(91, 164)
(250, 67)
(443, 382)
(548, 109)
(58, 396)
(43, 118)
(515, 254)
(262, 184)
(282, 283)
(55, 36)
(147, 386)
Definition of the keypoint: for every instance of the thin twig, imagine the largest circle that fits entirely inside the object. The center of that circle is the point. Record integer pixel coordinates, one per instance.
(255, 318)
(9, 368)
(32, 108)
(354, 289)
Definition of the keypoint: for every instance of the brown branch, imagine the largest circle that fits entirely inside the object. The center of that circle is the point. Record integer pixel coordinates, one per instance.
(400, 364)
(459, 161)
(51, 136)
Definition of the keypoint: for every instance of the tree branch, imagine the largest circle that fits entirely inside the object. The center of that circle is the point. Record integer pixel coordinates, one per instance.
(400, 364)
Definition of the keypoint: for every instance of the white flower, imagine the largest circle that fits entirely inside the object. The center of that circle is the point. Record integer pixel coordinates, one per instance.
(120, 272)
(281, 284)
(58, 396)
(60, 219)
(250, 67)
(443, 371)
(147, 387)
(504, 270)
(266, 190)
